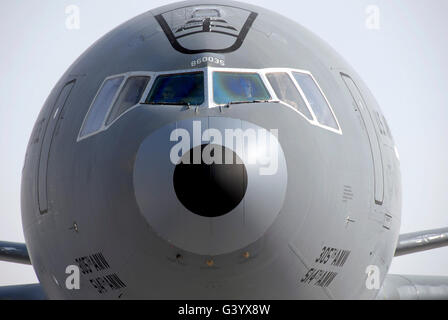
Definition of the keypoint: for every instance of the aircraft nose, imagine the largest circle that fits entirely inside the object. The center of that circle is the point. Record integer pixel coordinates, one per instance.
(210, 185)
(210, 188)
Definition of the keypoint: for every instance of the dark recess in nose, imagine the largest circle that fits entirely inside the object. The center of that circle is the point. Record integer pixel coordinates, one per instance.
(210, 190)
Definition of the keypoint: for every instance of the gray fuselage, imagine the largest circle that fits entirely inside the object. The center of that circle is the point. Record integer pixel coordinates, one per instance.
(316, 229)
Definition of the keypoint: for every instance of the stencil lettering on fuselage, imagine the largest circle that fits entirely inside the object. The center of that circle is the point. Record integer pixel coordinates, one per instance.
(319, 275)
(100, 274)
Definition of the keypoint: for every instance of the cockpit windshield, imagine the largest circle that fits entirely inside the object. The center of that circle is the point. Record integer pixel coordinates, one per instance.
(178, 89)
(234, 87)
(209, 87)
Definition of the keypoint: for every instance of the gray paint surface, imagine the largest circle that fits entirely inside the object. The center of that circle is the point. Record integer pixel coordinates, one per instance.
(420, 213)
(414, 59)
(92, 207)
(412, 287)
(420, 241)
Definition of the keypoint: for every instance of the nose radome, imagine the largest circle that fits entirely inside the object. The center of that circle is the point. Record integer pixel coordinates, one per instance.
(210, 188)
(193, 197)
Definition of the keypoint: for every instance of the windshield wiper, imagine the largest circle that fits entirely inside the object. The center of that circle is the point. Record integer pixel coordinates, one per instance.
(237, 102)
(263, 101)
(170, 103)
(251, 101)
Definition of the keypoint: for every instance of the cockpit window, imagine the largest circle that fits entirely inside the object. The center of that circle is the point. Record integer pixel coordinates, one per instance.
(209, 87)
(316, 100)
(287, 92)
(178, 89)
(129, 96)
(231, 87)
(99, 108)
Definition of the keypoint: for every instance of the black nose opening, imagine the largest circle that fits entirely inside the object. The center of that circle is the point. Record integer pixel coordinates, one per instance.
(210, 188)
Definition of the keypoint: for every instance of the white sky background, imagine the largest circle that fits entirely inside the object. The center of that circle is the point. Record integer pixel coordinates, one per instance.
(404, 63)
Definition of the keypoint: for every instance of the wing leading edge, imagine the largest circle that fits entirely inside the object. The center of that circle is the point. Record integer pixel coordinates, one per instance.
(421, 241)
(18, 253)
(23, 292)
(14, 252)
(413, 287)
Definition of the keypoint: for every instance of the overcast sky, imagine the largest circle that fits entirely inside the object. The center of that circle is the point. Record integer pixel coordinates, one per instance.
(403, 60)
